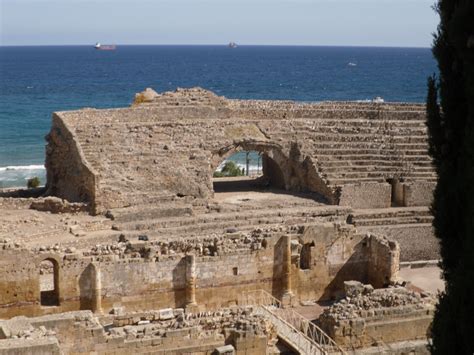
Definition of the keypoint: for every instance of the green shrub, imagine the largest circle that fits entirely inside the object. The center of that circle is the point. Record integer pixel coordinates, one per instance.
(229, 169)
(33, 183)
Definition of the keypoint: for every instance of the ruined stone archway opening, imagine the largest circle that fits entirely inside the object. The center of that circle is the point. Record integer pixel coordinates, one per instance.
(248, 167)
(49, 282)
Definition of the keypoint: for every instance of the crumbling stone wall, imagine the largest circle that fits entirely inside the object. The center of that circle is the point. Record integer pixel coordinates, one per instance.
(164, 331)
(69, 175)
(145, 275)
(367, 316)
(170, 144)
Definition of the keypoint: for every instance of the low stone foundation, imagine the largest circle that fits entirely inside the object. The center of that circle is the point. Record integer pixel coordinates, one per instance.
(368, 317)
(166, 331)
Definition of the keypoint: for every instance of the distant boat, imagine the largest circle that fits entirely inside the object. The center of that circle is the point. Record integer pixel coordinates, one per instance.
(351, 64)
(105, 47)
(232, 45)
(378, 100)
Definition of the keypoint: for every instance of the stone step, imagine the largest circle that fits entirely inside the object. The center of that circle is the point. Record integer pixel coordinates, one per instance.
(392, 221)
(143, 213)
(389, 212)
(341, 150)
(323, 158)
(231, 219)
(340, 181)
(302, 123)
(220, 228)
(370, 145)
(371, 168)
(377, 174)
(342, 164)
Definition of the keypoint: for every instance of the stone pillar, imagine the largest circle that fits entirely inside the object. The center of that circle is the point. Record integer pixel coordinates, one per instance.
(96, 301)
(286, 271)
(190, 281)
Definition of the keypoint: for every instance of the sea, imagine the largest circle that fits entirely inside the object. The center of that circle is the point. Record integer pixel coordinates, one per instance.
(38, 80)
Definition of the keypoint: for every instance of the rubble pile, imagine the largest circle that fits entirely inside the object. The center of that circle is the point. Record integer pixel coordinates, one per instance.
(204, 324)
(363, 301)
(212, 245)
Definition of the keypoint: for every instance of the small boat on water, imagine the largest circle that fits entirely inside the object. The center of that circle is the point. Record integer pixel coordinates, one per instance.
(105, 47)
(232, 45)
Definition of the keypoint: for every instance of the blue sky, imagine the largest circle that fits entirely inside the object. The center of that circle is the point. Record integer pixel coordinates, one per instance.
(274, 22)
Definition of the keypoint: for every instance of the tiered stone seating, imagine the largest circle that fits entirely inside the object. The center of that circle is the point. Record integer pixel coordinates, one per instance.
(153, 152)
(390, 216)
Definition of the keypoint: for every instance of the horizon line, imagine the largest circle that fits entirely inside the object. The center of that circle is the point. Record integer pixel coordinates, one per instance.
(220, 45)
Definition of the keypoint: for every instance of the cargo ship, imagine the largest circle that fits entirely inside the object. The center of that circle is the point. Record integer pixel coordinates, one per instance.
(105, 47)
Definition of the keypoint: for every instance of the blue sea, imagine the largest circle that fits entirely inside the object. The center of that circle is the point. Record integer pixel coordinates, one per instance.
(36, 81)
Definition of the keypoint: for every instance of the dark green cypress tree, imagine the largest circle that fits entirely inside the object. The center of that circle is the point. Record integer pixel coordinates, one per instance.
(451, 138)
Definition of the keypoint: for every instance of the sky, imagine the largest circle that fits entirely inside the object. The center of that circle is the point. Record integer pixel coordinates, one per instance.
(394, 23)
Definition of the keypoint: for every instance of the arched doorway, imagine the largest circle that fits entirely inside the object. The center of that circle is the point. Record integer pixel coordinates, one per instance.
(249, 166)
(49, 283)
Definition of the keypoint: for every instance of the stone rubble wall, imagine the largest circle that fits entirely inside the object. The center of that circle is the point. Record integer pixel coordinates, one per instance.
(366, 316)
(164, 331)
(150, 275)
(170, 147)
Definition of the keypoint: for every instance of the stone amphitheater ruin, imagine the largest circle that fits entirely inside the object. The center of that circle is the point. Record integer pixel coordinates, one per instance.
(132, 246)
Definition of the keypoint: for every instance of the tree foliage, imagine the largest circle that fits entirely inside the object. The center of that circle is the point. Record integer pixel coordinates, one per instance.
(229, 169)
(450, 110)
(33, 183)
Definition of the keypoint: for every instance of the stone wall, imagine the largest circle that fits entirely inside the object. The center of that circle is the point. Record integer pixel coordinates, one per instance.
(418, 194)
(142, 275)
(366, 195)
(165, 331)
(170, 147)
(367, 317)
(384, 260)
(69, 175)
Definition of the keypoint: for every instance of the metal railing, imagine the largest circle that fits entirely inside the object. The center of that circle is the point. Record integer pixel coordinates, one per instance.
(305, 336)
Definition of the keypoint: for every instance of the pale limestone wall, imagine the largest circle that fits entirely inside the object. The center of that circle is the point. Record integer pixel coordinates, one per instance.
(82, 333)
(333, 261)
(418, 193)
(393, 326)
(366, 195)
(387, 325)
(68, 173)
(383, 261)
(168, 147)
(417, 241)
(366, 316)
(45, 346)
(337, 255)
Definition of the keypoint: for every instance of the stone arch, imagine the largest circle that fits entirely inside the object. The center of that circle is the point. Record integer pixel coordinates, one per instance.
(291, 171)
(49, 281)
(273, 160)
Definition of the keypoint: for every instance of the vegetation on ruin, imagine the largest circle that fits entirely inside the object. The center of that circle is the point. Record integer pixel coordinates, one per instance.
(450, 107)
(33, 183)
(229, 169)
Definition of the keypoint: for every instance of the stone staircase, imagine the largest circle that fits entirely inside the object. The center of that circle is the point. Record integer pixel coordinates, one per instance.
(157, 223)
(300, 333)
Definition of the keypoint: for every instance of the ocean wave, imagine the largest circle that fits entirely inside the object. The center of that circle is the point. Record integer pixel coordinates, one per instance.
(18, 175)
(22, 167)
